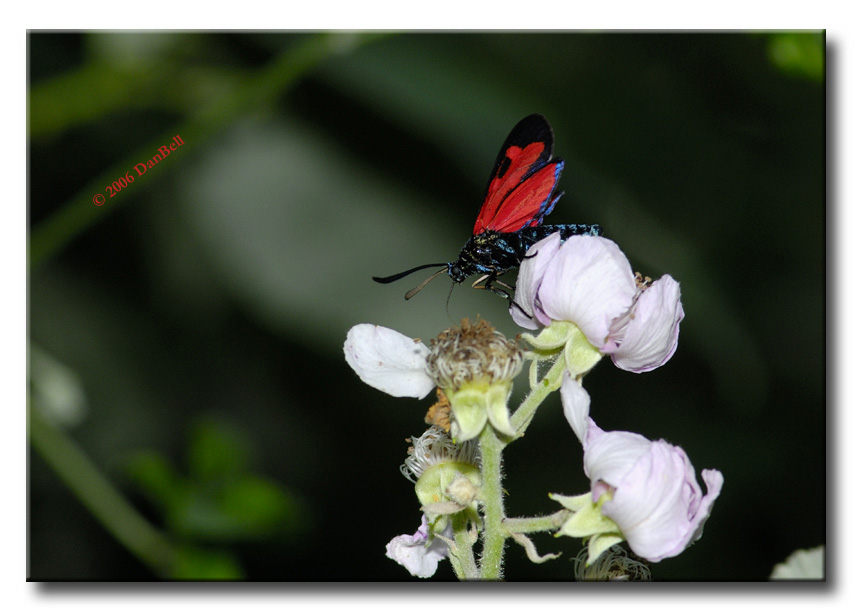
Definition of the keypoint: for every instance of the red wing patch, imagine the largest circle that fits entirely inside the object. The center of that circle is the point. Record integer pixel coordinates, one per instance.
(522, 182)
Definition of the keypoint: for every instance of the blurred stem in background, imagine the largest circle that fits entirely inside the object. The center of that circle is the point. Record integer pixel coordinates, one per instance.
(165, 558)
(102, 499)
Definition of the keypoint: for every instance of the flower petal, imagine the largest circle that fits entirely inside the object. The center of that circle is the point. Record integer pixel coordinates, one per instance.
(411, 551)
(802, 565)
(575, 405)
(610, 455)
(651, 337)
(589, 282)
(530, 274)
(657, 501)
(389, 361)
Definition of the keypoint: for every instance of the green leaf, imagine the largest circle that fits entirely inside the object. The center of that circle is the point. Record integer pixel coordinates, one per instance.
(799, 53)
(215, 453)
(155, 476)
(199, 564)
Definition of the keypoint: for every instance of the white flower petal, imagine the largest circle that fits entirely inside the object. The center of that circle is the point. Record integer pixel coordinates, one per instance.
(802, 565)
(651, 337)
(411, 551)
(590, 283)
(389, 361)
(610, 455)
(530, 275)
(575, 405)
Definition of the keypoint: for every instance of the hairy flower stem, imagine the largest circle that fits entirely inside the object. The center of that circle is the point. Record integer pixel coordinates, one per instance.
(536, 524)
(494, 534)
(538, 392)
(462, 549)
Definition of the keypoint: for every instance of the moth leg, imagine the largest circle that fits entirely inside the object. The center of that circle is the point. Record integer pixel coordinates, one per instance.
(503, 284)
(485, 282)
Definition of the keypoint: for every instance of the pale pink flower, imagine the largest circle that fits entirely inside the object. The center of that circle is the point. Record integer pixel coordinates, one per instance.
(655, 498)
(413, 552)
(588, 281)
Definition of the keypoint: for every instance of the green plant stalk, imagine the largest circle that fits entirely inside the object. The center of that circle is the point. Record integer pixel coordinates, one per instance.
(523, 416)
(536, 524)
(496, 530)
(95, 492)
(462, 549)
(494, 534)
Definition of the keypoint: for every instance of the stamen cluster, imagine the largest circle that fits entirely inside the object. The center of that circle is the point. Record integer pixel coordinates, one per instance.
(433, 447)
(473, 352)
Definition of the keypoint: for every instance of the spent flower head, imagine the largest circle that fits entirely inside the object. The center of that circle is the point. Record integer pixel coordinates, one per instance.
(613, 565)
(446, 475)
(433, 448)
(472, 354)
(474, 365)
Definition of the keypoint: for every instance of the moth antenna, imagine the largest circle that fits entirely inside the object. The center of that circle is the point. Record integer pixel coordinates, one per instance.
(447, 303)
(410, 294)
(393, 277)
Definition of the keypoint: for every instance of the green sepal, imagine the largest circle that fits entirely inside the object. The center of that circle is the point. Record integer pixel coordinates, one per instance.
(475, 404)
(432, 486)
(587, 521)
(580, 355)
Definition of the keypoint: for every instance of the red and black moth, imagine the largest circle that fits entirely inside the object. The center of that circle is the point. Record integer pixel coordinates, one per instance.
(519, 194)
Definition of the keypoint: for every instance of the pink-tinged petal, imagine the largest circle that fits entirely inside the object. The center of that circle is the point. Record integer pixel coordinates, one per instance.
(650, 504)
(651, 336)
(610, 455)
(411, 551)
(575, 406)
(527, 285)
(713, 484)
(590, 283)
(389, 361)
(657, 502)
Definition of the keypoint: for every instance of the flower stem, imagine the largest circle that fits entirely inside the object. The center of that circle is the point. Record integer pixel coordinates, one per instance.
(550, 382)
(535, 524)
(462, 549)
(98, 494)
(494, 534)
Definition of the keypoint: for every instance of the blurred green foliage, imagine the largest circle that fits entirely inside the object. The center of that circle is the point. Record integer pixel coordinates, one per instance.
(219, 498)
(799, 53)
(196, 319)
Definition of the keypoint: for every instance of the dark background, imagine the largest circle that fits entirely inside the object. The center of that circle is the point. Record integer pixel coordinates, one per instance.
(187, 335)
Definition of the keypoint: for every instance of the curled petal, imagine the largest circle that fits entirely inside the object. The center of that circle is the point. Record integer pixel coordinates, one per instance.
(412, 552)
(589, 282)
(389, 361)
(530, 275)
(651, 336)
(575, 405)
